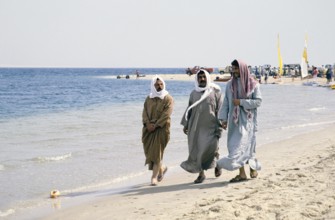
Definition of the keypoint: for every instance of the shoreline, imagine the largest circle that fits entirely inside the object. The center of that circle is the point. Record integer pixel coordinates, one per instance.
(296, 182)
(216, 196)
(185, 77)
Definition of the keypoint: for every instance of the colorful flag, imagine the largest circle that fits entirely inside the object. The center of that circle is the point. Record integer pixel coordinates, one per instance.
(280, 72)
(304, 61)
(304, 54)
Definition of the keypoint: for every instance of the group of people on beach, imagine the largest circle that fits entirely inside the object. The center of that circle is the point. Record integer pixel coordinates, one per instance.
(209, 112)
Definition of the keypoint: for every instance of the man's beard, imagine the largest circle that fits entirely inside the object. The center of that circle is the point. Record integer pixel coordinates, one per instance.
(202, 84)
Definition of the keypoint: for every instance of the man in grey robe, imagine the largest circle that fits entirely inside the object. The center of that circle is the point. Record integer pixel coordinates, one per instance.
(202, 127)
(239, 114)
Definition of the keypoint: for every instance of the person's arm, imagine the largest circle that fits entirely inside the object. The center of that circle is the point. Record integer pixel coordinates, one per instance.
(219, 102)
(145, 118)
(254, 102)
(167, 111)
(224, 110)
(184, 122)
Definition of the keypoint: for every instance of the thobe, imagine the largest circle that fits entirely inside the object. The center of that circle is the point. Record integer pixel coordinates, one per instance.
(204, 131)
(241, 139)
(157, 111)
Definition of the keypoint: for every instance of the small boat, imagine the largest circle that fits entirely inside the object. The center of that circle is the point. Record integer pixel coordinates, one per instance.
(311, 83)
(121, 76)
(137, 73)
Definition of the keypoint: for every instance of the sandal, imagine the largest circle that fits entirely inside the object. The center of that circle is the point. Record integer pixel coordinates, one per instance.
(161, 176)
(217, 172)
(237, 178)
(200, 179)
(253, 173)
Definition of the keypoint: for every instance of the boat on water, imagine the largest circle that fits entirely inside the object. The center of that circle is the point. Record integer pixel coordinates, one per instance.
(128, 76)
(311, 83)
(123, 76)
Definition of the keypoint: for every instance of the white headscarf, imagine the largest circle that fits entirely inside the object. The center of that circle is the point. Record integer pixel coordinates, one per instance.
(161, 94)
(208, 89)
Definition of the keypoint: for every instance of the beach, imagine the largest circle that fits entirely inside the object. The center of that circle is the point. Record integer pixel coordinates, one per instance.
(296, 182)
(91, 152)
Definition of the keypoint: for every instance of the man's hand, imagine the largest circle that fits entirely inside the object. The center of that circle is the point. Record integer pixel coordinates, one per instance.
(224, 125)
(185, 130)
(236, 102)
(151, 127)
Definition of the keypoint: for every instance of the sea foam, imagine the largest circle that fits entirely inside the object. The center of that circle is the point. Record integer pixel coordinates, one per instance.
(52, 158)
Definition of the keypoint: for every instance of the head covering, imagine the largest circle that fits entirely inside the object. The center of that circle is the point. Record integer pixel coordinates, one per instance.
(248, 84)
(161, 94)
(207, 90)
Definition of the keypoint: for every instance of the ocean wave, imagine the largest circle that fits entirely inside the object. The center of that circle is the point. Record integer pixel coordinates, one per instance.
(105, 183)
(316, 109)
(2, 167)
(7, 212)
(307, 125)
(53, 158)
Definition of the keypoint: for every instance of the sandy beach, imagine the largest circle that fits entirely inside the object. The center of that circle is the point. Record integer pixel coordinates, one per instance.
(296, 182)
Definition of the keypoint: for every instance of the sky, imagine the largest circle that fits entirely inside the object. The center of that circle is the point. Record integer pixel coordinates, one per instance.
(164, 33)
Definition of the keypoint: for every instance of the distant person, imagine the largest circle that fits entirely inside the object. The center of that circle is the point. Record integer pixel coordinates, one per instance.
(256, 71)
(156, 128)
(239, 115)
(315, 73)
(296, 72)
(292, 72)
(202, 127)
(266, 77)
(137, 74)
(322, 71)
(188, 71)
(329, 74)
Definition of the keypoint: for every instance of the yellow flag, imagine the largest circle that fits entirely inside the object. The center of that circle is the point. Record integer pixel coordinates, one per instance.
(304, 54)
(304, 61)
(280, 60)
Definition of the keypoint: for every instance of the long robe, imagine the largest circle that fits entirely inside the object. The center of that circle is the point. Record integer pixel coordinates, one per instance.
(157, 111)
(241, 140)
(204, 131)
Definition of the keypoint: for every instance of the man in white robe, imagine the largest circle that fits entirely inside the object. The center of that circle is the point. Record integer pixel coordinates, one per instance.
(202, 126)
(239, 114)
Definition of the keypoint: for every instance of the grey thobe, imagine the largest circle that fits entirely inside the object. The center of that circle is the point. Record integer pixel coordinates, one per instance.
(241, 140)
(204, 131)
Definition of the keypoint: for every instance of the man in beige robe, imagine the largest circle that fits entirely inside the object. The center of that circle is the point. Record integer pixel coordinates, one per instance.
(156, 128)
(202, 126)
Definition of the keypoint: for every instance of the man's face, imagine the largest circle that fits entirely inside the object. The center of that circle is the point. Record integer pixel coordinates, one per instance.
(202, 80)
(159, 85)
(235, 71)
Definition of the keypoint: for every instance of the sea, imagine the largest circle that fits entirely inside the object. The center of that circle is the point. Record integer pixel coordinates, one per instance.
(78, 131)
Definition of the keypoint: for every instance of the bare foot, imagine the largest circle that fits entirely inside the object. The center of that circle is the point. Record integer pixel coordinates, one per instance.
(153, 182)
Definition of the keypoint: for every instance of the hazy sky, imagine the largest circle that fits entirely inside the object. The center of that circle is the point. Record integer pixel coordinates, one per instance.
(164, 33)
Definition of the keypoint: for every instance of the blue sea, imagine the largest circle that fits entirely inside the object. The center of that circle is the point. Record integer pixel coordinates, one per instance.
(78, 130)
